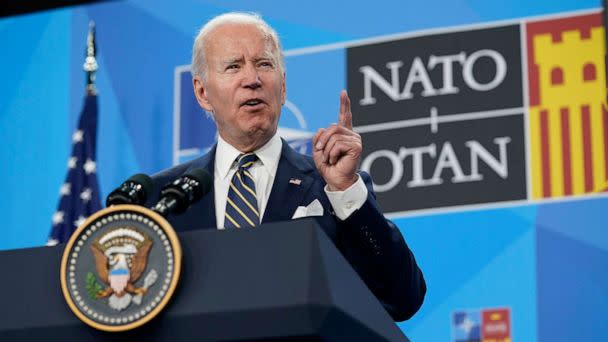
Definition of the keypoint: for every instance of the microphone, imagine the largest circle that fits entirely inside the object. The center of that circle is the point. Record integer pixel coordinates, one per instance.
(177, 196)
(134, 190)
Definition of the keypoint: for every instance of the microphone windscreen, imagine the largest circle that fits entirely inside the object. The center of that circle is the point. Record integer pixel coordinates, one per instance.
(134, 190)
(203, 177)
(145, 181)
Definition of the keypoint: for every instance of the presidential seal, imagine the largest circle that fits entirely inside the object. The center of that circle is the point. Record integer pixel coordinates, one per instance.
(120, 267)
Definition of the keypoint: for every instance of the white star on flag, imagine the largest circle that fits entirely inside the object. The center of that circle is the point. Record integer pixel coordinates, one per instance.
(66, 189)
(79, 193)
(86, 195)
(77, 136)
(80, 221)
(72, 162)
(89, 166)
(57, 218)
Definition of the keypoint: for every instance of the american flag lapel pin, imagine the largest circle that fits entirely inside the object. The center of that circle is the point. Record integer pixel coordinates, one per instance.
(295, 181)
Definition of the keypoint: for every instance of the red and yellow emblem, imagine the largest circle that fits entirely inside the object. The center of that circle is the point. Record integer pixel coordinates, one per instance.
(568, 114)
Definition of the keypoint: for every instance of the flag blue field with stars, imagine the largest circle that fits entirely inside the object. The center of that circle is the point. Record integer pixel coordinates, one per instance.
(79, 194)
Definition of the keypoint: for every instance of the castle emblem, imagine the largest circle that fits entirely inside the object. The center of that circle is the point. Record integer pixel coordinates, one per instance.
(568, 113)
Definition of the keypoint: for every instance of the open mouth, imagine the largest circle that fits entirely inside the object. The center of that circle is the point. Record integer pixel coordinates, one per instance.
(252, 102)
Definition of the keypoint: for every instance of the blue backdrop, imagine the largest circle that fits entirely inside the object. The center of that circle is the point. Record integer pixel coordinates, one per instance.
(543, 260)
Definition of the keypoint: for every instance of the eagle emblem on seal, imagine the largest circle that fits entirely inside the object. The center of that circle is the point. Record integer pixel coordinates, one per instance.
(121, 256)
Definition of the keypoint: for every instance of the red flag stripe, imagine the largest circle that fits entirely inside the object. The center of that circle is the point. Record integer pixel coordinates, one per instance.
(605, 142)
(544, 147)
(566, 151)
(587, 151)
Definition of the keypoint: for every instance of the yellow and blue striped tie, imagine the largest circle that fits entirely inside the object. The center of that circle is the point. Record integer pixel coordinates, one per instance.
(242, 204)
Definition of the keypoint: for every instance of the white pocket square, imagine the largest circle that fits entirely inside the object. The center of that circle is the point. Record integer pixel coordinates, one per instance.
(313, 209)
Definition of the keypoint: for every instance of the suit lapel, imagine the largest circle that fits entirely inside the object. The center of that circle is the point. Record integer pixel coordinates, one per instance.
(203, 212)
(291, 183)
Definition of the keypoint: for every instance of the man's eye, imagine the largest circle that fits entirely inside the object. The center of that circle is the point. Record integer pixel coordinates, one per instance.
(266, 64)
(232, 66)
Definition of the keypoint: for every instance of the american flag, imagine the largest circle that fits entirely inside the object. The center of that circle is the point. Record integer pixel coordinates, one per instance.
(79, 194)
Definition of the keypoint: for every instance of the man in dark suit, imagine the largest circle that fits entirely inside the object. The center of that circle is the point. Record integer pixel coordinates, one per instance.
(239, 79)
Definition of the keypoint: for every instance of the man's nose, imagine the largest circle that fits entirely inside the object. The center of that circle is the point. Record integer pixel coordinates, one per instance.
(252, 77)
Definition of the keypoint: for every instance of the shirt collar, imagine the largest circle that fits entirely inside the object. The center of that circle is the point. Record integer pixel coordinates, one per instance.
(269, 155)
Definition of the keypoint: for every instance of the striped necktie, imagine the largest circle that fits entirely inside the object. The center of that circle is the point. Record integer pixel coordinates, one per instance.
(242, 204)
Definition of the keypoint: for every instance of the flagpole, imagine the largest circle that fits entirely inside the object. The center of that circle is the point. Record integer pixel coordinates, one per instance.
(90, 63)
(79, 194)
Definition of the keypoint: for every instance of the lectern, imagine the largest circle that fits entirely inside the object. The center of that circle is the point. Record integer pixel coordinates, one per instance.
(278, 281)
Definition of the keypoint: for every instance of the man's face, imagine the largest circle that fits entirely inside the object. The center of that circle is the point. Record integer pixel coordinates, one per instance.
(244, 86)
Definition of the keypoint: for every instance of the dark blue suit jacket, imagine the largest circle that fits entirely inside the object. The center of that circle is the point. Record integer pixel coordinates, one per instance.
(373, 245)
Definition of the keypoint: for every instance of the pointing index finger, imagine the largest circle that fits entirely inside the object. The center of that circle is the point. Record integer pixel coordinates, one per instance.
(345, 116)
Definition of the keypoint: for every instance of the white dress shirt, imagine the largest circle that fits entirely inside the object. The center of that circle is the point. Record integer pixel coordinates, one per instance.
(264, 171)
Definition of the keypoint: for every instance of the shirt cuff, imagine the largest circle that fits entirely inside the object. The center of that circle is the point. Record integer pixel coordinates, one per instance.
(347, 201)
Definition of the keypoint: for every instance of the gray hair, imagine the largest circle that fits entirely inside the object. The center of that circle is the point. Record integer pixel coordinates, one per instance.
(198, 66)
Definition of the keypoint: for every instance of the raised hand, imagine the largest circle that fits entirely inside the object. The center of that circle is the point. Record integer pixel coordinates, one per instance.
(337, 149)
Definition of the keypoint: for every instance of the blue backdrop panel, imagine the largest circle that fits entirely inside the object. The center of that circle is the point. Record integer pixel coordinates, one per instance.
(477, 259)
(36, 136)
(543, 261)
(572, 259)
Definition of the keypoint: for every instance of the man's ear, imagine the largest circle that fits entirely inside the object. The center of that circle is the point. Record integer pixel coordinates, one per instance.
(201, 94)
